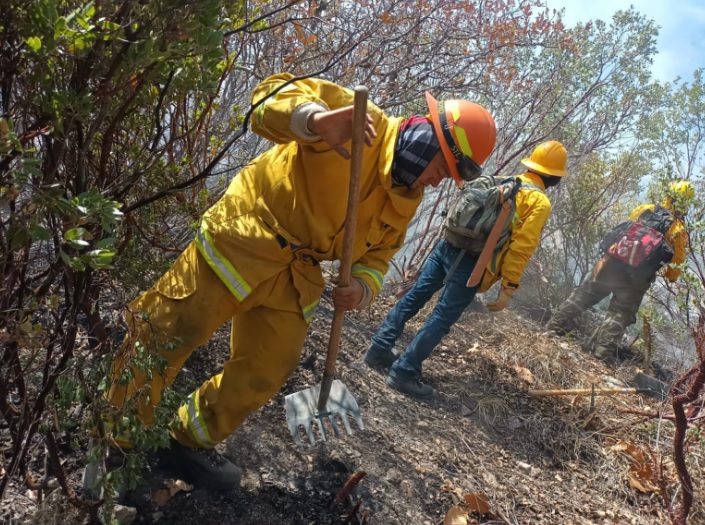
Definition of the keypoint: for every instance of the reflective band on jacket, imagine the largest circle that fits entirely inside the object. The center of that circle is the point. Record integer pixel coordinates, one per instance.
(377, 277)
(221, 266)
(309, 311)
(515, 219)
(260, 113)
(198, 428)
(260, 109)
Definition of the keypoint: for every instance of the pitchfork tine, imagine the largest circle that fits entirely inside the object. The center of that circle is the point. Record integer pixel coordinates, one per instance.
(294, 429)
(309, 433)
(346, 423)
(321, 428)
(334, 424)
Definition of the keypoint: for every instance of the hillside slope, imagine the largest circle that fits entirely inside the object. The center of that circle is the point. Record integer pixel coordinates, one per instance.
(537, 460)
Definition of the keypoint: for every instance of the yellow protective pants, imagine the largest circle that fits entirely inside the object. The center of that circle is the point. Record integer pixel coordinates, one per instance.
(185, 307)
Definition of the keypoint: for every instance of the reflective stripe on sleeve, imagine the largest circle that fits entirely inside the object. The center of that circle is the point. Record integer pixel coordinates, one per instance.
(310, 311)
(263, 105)
(377, 277)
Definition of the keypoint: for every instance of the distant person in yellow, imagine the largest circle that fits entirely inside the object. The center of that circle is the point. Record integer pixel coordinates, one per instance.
(625, 284)
(449, 268)
(256, 255)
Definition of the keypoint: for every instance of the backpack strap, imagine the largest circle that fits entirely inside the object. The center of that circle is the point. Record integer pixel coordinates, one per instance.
(486, 254)
(504, 216)
(530, 185)
(663, 225)
(454, 266)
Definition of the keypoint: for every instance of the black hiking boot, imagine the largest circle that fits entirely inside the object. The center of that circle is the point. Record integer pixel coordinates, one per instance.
(554, 330)
(409, 385)
(607, 356)
(377, 357)
(204, 467)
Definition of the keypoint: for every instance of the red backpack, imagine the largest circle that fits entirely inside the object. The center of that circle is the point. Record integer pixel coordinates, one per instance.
(641, 246)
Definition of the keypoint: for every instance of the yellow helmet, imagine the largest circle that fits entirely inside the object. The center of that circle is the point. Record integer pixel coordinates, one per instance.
(680, 195)
(548, 158)
(681, 189)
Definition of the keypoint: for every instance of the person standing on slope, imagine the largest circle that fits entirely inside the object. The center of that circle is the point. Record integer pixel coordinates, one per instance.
(545, 168)
(256, 256)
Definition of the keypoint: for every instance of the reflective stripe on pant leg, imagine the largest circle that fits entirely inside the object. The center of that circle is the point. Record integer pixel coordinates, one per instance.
(266, 344)
(183, 309)
(221, 266)
(196, 424)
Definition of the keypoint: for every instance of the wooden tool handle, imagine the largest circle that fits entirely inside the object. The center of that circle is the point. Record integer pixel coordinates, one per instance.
(578, 391)
(344, 271)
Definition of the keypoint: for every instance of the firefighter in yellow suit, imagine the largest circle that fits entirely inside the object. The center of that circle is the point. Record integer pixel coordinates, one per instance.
(625, 288)
(256, 255)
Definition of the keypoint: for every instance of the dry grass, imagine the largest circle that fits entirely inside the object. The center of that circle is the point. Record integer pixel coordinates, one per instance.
(581, 435)
(56, 510)
(461, 390)
(492, 408)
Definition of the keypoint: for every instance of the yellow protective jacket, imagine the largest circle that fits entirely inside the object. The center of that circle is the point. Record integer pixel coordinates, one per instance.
(677, 237)
(297, 191)
(532, 211)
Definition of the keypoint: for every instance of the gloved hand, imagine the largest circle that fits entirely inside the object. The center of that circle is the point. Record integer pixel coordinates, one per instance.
(502, 299)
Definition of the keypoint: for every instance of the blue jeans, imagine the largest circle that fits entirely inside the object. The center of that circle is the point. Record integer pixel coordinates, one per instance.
(455, 297)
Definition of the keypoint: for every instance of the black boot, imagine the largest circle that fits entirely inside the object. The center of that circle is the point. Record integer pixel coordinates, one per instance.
(409, 385)
(607, 355)
(204, 467)
(377, 357)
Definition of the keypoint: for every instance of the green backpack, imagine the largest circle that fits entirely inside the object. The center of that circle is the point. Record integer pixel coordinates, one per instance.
(472, 221)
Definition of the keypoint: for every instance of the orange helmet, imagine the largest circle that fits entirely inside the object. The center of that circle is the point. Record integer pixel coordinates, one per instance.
(467, 134)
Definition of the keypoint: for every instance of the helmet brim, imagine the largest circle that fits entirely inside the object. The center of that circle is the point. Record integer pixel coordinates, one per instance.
(542, 169)
(447, 154)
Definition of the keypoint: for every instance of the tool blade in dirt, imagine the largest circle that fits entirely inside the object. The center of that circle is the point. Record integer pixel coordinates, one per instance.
(652, 386)
(302, 413)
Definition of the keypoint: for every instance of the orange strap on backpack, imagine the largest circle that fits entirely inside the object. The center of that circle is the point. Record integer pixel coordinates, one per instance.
(479, 270)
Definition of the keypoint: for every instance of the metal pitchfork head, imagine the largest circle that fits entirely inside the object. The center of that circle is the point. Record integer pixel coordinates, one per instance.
(302, 412)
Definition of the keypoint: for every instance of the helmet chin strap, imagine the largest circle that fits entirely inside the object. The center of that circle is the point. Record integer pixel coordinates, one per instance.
(467, 168)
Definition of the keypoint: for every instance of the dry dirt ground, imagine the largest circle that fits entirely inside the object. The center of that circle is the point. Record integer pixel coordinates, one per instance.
(536, 460)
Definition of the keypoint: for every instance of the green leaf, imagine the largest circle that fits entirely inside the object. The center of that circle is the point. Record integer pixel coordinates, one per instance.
(108, 242)
(74, 234)
(35, 43)
(78, 243)
(39, 233)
